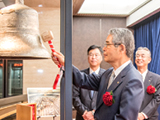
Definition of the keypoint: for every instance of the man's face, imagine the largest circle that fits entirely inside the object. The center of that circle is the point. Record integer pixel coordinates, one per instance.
(142, 58)
(111, 53)
(94, 57)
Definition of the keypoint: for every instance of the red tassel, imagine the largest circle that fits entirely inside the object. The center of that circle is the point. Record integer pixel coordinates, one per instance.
(59, 65)
(56, 81)
(53, 50)
(33, 111)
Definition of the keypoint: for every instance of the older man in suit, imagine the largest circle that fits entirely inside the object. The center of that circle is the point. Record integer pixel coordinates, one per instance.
(84, 100)
(151, 101)
(120, 88)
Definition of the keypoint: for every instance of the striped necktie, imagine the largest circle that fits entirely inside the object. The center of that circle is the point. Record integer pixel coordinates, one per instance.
(111, 79)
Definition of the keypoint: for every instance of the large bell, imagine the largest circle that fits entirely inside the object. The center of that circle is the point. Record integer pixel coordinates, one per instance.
(19, 33)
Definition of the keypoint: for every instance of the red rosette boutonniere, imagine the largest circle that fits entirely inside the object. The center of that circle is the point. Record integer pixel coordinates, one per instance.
(151, 89)
(108, 98)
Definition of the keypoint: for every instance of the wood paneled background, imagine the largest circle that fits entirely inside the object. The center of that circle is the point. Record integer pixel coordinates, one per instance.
(88, 31)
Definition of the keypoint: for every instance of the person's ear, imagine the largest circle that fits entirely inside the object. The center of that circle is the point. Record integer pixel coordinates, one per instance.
(149, 60)
(122, 47)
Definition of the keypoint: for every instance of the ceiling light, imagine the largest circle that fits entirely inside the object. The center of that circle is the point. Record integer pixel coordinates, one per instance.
(40, 5)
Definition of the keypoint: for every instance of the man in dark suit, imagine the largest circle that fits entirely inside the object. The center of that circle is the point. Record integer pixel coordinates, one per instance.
(84, 100)
(151, 101)
(120, 89)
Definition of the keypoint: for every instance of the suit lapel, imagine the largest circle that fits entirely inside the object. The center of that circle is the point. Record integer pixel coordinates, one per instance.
(87, 71)
(148, 80)
(89, 91)
(106, 82)
(116, 83)
(100, 71)
(90, 94)
(118, 80)
(104, 87)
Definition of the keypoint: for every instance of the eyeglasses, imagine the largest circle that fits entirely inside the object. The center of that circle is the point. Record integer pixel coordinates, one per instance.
(142, 56)
(92, 55)
(116, 44)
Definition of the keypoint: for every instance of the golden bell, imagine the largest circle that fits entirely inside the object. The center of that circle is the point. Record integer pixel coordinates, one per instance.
(19, 33)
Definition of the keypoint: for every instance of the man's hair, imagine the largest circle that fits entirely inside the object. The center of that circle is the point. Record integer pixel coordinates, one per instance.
(146, 49)
(94, 47)
(125, 37)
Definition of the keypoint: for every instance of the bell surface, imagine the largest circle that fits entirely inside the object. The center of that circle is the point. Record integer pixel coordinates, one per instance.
(19, 33)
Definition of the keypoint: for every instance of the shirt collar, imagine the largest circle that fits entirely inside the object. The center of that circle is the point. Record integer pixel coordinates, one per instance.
(144, 74)
(118, 70)
(91, 71)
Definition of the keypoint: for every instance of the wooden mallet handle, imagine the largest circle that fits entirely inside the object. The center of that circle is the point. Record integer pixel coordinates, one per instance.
(47, 36)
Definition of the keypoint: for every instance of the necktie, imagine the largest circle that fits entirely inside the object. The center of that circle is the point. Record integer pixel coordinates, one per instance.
(111, 79)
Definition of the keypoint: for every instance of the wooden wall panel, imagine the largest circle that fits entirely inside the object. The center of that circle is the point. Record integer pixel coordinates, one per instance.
(88, 31)
(45, 3)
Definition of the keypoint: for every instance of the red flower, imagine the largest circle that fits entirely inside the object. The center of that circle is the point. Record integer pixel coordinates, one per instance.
(108, 98)
(151, 89)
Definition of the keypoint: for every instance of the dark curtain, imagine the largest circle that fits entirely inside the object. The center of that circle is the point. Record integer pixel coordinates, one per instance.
(147, 34)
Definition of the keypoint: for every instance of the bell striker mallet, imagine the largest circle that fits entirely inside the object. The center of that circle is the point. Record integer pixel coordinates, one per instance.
(47, 36)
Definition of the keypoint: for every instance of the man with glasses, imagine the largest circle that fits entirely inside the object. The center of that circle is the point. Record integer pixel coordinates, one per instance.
(84, 100)
(151, 80)
(120, 88)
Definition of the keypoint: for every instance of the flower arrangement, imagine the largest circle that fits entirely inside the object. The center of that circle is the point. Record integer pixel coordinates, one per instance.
(108, 98)
(151, 89)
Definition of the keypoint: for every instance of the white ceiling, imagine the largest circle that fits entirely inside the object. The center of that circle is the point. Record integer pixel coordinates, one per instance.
(111, 7)
(135, 11)
(103, 7)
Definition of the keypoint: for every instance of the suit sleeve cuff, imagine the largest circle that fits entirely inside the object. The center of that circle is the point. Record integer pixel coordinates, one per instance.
(62, 68)
(145, 116)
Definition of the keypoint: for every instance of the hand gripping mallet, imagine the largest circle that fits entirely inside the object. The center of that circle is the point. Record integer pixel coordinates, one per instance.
(47, 36)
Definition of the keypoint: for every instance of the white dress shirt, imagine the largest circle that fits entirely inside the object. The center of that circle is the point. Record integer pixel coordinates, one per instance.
(144, 75)
(91, 71)
(116, 72)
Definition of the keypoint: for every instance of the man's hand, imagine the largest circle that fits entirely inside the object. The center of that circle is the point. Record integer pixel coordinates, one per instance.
(88, 115)
(84, 115)
(58, 58)
(141, 116)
